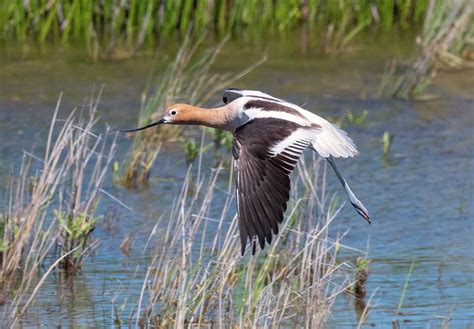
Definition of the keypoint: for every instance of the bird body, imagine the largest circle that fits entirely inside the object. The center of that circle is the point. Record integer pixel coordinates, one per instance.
(270, 135)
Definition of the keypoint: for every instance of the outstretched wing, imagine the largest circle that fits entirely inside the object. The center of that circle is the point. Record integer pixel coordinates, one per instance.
(330, 141)
(265, 150)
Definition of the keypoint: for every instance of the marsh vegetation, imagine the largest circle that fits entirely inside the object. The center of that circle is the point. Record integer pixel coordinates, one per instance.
(194, 275)
(142, 232)
(120, 27)
(52, 208)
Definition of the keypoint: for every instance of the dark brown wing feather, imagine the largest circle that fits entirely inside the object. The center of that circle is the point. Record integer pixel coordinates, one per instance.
(263, 178)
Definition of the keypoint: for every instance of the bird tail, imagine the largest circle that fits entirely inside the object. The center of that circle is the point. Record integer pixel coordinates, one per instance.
(333, 141)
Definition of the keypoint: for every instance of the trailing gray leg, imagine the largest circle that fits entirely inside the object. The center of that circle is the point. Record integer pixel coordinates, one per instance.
(356, 203)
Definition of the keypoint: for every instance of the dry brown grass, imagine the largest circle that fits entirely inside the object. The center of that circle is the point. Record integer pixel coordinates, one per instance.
(66, 180)
(197, 277)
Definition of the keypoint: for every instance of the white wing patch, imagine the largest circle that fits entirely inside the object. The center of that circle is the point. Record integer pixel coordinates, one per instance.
(257, 94)
(300, 137)
(328, 140)
(255, 112)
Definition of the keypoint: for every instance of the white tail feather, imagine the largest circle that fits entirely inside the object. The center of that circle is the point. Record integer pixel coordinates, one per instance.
(333, 141)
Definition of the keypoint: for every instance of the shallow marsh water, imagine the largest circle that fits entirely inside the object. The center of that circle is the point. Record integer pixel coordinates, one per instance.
(420, 197)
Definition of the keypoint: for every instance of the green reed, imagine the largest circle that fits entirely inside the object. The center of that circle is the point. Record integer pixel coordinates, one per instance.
(108, 25)
(445, 42)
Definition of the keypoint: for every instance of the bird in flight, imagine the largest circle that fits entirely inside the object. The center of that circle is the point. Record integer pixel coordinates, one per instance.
(270, 134)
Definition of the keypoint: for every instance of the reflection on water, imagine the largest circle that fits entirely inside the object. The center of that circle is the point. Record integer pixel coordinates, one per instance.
(420, 198)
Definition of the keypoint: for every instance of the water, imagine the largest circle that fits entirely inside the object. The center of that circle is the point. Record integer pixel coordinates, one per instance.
(420, 197)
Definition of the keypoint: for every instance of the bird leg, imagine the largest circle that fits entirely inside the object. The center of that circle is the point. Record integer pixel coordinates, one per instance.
(356, 203)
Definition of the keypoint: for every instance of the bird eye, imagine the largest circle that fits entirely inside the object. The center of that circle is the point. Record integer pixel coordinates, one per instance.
(173, 112)
(225, 99)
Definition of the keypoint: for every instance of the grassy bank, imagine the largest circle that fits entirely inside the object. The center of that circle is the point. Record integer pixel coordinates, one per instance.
(105, 26)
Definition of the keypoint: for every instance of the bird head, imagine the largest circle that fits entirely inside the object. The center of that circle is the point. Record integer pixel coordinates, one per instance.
(181, 114)
(175, 114)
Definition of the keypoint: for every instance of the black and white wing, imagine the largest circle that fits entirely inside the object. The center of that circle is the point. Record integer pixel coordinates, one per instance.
(328, 140)
(265, 150)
